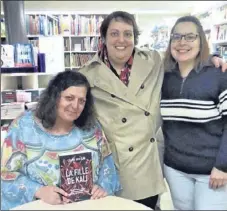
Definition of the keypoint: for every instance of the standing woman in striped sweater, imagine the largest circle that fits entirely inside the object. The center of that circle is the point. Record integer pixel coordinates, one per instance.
(194, 111)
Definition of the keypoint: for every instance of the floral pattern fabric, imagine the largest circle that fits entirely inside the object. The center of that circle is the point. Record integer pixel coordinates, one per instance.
(30, 160)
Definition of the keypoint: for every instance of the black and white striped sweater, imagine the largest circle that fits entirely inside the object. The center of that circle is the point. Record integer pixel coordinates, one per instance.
(194, 112)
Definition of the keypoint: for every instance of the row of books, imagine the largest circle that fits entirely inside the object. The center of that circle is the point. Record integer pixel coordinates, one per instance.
(41, 25)
(81, 25)
(63, 24)
(78, 60)
(26, 96)
(222, 32)
(82, 44)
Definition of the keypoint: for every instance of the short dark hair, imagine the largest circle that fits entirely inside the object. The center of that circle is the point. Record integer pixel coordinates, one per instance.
(202, 58)
(120, 16)
(46, 109)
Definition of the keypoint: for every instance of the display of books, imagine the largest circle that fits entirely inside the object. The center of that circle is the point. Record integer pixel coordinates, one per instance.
(76, 175)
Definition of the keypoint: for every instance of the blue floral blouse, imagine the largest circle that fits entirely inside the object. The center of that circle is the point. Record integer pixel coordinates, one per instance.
(30, 160)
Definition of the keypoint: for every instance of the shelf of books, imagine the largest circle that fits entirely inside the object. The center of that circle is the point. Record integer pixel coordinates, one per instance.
(80, 33)
(214, 24)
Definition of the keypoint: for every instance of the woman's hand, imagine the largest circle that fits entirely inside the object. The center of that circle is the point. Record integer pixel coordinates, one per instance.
(219, 62)
(52, 195)
(97, 192)
(217, 178)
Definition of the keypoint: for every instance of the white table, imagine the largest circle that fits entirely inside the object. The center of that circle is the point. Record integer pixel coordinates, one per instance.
(107, 203)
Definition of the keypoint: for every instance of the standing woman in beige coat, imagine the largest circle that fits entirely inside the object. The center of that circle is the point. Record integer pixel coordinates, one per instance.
(126, 85)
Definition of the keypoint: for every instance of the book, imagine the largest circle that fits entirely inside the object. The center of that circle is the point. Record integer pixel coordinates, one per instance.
(7, 55)
(76, 177)
(23, 55)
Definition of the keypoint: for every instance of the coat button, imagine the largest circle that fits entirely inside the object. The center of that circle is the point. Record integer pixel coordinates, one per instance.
(130, 149)
(112, 95)
(152, 140)
(124, 120)
(142, 86)
(146, 113)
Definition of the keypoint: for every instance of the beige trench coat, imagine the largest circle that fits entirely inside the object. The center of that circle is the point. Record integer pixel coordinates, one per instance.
(130, 117)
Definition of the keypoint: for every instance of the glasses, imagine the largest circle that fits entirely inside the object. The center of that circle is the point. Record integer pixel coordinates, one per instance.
(188, 37)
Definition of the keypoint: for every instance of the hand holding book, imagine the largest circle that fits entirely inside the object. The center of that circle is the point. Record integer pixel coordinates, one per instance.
(98, 192)
(52, 195)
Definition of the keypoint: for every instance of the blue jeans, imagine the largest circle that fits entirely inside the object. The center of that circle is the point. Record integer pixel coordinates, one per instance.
(192, 192)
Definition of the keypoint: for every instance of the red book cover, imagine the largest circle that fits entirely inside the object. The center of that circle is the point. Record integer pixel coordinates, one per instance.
(76, 175)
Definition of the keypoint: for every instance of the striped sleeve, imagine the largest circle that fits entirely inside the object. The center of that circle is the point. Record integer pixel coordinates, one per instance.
(189, 110)
(221, 159)
(223, 102)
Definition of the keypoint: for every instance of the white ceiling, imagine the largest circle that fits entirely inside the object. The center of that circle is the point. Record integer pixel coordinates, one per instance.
(155, 7)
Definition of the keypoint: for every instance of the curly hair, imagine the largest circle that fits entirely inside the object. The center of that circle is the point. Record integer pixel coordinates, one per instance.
(46, 109)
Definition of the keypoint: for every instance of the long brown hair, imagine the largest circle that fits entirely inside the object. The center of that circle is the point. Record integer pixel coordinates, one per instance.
(202, 58)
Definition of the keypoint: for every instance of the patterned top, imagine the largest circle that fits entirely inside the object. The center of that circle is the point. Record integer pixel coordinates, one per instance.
(30, 160)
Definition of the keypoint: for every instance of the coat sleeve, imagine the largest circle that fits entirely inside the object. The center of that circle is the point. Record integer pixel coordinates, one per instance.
(221, 159)
(108, 177)
(16, 187)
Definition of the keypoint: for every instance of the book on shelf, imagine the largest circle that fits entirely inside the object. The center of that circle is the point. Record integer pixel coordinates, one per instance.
(24, 55)
(79, 59)
(76, 177)
(7, 55)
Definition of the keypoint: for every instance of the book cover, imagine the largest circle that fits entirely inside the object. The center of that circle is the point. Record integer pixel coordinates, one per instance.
(76, 175)
(7, 55)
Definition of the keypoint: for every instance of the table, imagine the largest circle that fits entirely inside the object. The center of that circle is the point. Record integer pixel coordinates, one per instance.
(107, 203)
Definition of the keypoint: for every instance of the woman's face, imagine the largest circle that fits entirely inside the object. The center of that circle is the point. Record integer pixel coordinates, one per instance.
(184, 49)
(119, 41)
(71, 103)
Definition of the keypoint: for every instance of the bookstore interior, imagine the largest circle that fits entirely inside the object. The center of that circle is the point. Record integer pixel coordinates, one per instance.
(65, 35)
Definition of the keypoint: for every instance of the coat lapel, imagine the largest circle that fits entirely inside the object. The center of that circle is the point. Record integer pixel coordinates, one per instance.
(107, 81)
(141, 68)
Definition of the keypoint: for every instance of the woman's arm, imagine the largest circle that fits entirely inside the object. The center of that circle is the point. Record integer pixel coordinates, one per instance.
(218, 176)
(16, 187)
(108, 175)
(221, 159)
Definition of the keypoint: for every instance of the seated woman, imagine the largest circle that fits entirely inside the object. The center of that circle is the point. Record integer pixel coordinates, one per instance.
(64, 121)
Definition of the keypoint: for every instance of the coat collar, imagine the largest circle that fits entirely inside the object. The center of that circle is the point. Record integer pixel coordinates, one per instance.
(105, 79)
(141, 68)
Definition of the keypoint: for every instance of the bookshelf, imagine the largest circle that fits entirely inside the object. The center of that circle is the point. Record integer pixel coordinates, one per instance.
(80, 34)
(214, 22)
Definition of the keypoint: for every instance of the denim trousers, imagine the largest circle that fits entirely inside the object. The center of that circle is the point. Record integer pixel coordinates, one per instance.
(192, 191)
